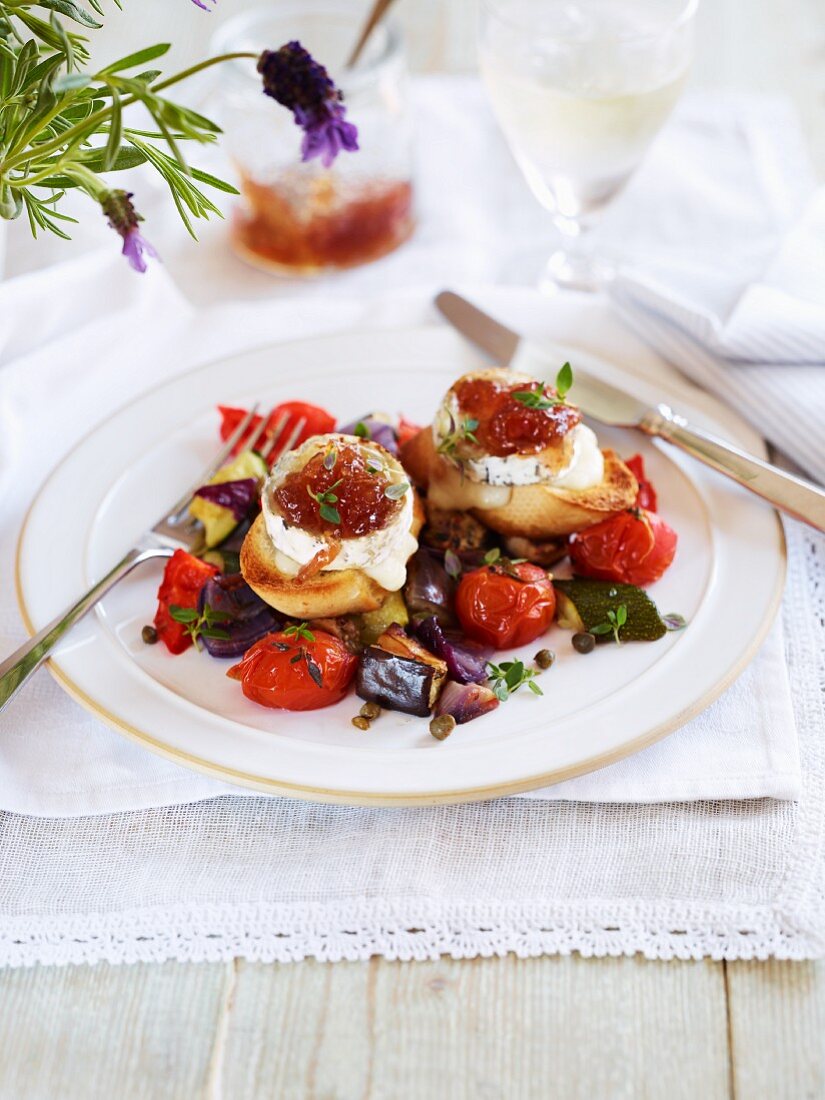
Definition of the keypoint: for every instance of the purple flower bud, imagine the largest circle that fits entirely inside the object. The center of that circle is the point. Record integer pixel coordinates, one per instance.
(201, 4)
(293, 78)
(124, 219)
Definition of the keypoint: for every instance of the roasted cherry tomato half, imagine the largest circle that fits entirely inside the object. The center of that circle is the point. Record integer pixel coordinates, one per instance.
(646, 497)
(506, 604)
(633, 547)
(318, 422)
(296, 672)
(183, 579)
(406, 430)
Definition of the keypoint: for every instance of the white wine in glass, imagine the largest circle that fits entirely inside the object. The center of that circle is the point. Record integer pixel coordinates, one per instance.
(580, 89)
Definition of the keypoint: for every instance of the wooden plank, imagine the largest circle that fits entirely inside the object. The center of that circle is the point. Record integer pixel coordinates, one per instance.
(777, 1029)
(139, 1032)
(488, 1028)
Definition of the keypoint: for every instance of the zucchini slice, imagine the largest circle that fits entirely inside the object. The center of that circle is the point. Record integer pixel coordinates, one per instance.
(583, 604)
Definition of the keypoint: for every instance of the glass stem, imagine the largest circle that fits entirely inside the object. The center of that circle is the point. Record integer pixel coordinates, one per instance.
(574, 265)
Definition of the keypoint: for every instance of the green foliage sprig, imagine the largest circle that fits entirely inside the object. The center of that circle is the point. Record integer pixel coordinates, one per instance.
(63, 128)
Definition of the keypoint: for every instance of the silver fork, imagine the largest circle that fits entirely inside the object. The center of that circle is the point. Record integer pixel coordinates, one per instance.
(176, 529)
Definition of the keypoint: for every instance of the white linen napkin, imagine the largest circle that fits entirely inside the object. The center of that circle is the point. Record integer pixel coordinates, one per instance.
(726, 279)
(105, 335)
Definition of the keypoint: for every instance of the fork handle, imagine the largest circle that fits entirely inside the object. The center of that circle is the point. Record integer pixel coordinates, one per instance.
(17, 668)
(794, 495)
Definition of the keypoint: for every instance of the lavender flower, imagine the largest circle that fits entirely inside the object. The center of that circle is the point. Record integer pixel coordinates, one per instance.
(201, 4)
(293, 78)
(124, 219)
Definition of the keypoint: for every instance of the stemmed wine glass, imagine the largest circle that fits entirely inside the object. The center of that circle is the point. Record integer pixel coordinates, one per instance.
(580, 89)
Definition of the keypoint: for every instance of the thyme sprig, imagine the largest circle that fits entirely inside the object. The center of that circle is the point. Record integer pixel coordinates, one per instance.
(540, 399)
(301, 631)
(460, 432)
(615, 621)
(326, 500)
(507, 677)
(200, 624)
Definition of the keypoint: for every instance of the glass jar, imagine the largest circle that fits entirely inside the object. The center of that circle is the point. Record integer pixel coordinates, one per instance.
(298, 217)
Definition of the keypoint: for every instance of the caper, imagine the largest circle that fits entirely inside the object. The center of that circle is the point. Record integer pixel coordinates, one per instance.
(370, 711)
(584, 643)
(544, 658)
(442, 726)
(149, 635)
(360, 722)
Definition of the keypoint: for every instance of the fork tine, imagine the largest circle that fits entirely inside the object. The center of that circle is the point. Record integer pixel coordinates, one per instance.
(271, 441)
(258, 431)
(215, 464)
(291, 440)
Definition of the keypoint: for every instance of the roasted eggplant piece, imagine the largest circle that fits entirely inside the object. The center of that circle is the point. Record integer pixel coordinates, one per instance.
(398, 683)
(429, 589)
(400, 674)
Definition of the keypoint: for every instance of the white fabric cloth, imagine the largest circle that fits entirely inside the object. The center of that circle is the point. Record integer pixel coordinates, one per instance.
(60, 760)
(272, 878)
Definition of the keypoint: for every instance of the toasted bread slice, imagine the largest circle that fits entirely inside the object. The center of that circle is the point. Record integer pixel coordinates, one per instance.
(326, 595)
(541, 512)
(537, 511)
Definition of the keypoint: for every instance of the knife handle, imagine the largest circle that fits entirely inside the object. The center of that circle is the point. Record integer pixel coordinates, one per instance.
(799, 498)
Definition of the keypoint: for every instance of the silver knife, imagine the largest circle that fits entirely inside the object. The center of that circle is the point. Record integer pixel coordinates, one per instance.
(610, 405)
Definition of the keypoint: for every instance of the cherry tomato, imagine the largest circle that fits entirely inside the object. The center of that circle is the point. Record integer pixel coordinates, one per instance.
(318, 422)
(183, 579)
(406, 430)
(296, 672)
(505, 604)
(633, 547)
(646, 497)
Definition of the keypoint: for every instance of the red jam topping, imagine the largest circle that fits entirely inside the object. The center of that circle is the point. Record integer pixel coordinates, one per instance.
(506, 425)
(342, 482)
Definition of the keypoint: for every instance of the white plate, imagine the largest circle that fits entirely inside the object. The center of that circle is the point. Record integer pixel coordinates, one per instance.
(726, 581)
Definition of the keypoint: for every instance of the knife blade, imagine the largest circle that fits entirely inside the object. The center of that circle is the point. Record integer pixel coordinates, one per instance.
(612, 405)
(594, 397)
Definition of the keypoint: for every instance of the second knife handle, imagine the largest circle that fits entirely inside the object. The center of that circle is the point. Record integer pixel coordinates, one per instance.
(798, 498)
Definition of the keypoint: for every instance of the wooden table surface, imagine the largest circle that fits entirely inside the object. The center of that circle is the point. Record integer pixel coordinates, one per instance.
(480, 1029)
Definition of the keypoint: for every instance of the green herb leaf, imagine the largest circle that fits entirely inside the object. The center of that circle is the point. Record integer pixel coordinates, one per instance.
(452, 564)
(183, 614)
(396, 491)
(137, 58)
(492, 556)
(458, 434)
(362, 430)
(299, 630)
(564, 380)
(509, 676)
(70, 82)
(330, 514)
